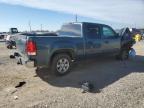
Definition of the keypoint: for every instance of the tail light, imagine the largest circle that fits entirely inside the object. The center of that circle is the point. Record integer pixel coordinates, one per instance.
(31, 48)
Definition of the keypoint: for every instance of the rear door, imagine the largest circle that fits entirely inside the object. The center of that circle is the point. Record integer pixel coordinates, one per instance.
(93, 39)
(110, 39)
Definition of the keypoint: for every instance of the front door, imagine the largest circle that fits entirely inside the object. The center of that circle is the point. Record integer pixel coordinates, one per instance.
(110, 40)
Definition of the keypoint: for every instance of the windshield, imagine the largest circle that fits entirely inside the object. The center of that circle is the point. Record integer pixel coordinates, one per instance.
(71, 30)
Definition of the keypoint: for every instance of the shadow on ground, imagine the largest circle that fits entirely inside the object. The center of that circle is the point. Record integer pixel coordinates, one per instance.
(100, 71)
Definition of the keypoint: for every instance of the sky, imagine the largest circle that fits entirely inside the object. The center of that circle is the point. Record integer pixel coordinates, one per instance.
(51, 14)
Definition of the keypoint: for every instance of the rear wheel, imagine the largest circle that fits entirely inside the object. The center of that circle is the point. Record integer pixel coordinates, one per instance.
(61, 64)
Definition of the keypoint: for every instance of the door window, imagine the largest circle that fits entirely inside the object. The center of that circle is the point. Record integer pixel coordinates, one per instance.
(69, 30)
(108, 32)
(93, 31)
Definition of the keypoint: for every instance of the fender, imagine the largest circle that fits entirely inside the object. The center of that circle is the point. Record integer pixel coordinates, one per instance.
(62, 47)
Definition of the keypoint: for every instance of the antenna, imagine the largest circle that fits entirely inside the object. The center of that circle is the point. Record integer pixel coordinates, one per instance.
(76, 18)
(29, 23)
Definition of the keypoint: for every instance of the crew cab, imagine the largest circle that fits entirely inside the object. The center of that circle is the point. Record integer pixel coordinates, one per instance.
(75, 41)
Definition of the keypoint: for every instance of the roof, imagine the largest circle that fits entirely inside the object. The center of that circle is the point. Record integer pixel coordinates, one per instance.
(86, 23)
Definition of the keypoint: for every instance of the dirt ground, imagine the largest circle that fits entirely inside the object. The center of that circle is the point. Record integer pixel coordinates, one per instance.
(117, 84)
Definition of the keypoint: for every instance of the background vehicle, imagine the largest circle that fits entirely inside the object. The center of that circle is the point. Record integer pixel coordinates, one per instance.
(136, 34)
(2, 36)
(75, 41)
(10, 42)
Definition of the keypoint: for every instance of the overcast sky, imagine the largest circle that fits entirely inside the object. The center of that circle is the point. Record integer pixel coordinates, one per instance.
(126, 12)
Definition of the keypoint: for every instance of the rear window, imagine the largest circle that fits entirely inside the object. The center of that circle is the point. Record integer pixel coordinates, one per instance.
(70, 30)
(92, 31)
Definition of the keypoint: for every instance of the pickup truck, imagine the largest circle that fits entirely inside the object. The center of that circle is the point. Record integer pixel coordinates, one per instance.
(75, 41)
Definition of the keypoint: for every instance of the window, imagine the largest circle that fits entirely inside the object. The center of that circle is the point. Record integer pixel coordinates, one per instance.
(108, 32)
(70, 30)
(93, 31)
(13, 30)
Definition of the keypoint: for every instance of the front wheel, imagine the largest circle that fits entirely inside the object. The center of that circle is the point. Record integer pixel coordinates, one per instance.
(61, 64)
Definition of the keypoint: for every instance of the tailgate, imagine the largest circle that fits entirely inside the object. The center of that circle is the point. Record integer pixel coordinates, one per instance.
(21, 43)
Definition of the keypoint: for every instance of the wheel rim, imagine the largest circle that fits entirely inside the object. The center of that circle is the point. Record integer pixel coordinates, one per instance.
(62, 65)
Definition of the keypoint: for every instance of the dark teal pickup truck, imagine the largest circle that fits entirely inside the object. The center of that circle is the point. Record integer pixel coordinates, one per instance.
(75, 41)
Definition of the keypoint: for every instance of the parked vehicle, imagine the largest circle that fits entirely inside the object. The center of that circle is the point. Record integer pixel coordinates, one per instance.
(75, 41)
(10, 38)
(2, 36)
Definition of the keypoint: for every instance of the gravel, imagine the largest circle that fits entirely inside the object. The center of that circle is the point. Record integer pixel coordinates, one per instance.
(117, 84)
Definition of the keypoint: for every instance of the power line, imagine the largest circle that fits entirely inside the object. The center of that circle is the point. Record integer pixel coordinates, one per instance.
(41, 27)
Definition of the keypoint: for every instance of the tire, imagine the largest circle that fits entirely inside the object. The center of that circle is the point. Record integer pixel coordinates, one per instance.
(10, 47)
(124, 55)
(61, 64)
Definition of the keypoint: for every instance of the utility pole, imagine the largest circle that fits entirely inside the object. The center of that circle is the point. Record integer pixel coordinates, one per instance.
(29, 23)
(76, 19)
(41, 27)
